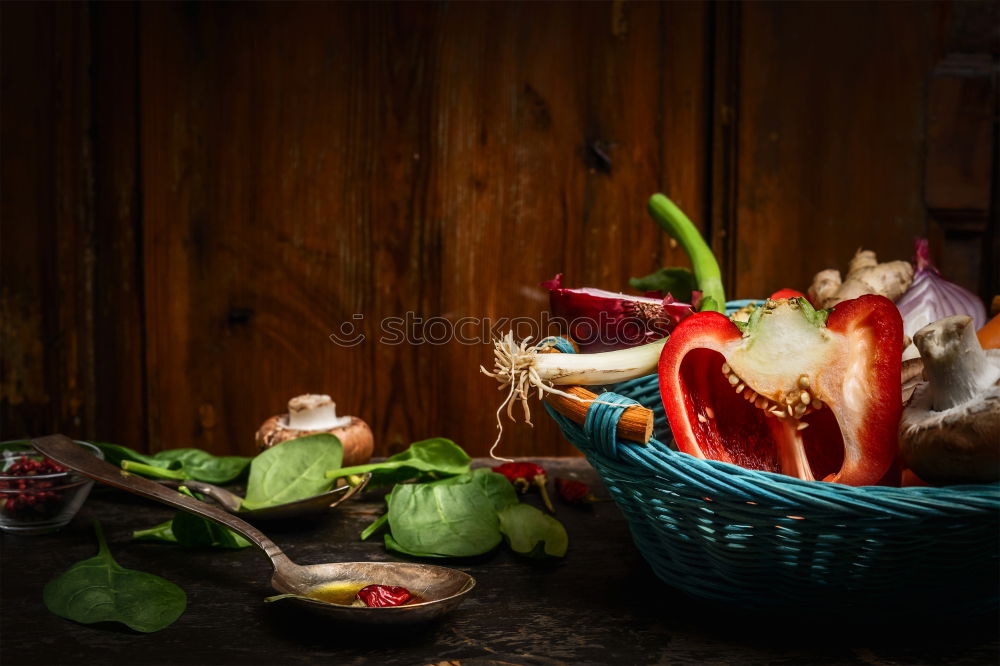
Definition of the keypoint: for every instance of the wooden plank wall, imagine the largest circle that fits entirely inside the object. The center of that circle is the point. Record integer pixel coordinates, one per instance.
(853, 132)
(196, 196)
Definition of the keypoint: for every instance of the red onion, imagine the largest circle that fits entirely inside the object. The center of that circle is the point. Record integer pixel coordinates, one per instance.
(600, 320)
(931, 297)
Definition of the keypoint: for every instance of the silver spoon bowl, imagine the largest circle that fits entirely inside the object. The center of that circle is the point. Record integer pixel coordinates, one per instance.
(309, 506)
(438, 589)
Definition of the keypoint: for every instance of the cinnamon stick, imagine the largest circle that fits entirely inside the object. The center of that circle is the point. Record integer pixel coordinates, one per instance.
(635, 425)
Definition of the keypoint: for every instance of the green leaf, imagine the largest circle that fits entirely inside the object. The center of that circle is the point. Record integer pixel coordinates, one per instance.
(163, 533)
(203, 466)
(100, 590)
(496, 487)
(15, 444)
(116, 453)
(191, 531)
(374, 526)
(438, 456)
(393, 546)
(194, 531)
(293, 470)
(177, 464)
(678, 282)
(153, 471)
(530, 532)
(454, 517)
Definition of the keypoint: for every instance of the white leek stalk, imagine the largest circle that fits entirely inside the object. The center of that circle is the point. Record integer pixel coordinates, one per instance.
(521, 368)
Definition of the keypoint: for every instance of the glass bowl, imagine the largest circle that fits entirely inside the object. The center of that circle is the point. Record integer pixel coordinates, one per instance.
(36, 494)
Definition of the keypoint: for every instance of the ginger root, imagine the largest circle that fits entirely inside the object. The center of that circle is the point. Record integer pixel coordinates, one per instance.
(865, 275)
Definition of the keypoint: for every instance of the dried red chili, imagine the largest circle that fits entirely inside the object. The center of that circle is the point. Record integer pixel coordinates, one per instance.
(35, 494)
(381, 596)
(523, 475)
(575, 492)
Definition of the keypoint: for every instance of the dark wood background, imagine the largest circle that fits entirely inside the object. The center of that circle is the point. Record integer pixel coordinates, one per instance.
(195, 196)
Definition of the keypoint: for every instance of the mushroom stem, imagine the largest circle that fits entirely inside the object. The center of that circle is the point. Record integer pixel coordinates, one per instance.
(955, 363)
(314, 412)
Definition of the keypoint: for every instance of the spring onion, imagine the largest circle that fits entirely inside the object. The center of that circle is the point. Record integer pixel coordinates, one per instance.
(520, 369)
(707, 275)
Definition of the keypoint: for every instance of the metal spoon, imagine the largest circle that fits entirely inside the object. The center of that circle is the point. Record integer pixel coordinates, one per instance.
(438, 589)
(233, 503)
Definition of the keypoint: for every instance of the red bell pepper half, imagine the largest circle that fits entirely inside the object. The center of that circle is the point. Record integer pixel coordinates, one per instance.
(812, 394)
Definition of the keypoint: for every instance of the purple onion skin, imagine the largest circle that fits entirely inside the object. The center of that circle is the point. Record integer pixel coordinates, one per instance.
(931, 297)
(599, 320)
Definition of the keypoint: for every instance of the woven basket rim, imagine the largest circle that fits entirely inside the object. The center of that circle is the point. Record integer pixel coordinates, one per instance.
(658, 459)
(677, 474)
(822, 490)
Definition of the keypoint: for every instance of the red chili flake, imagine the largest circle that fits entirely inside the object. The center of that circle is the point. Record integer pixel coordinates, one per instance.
(523, 475)
(574, 492)
(29, 467)
(36, 495)
(381, 596)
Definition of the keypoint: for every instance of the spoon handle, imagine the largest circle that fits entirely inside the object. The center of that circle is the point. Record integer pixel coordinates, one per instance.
(62, 450)
(229, 501)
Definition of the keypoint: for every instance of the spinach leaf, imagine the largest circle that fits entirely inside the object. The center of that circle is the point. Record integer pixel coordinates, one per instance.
(183, 464)
(203, 466)
(496, 487)
(454, 517)
(116, 454)
(678, 282)
(530, 532)
(100, 590)
(293, 470)
(431, 457)
(392, 545)
(192, 531)
(163, 532)
(374, 526)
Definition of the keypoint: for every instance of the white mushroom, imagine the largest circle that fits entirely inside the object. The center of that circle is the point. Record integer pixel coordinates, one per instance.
(313, 414)
(950, 431)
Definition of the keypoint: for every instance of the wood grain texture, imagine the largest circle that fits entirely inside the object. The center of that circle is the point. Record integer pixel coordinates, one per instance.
(830, 124)
(958, 180)
(435, 170)
(547, 167)
(46, 276)
(256, 216)
(119, 354)
(199, 198)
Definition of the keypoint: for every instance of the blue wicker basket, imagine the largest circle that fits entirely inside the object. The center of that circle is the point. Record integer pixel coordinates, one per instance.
(763, 540)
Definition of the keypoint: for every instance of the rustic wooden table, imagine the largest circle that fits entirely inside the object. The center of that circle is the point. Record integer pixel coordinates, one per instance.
(600, 605)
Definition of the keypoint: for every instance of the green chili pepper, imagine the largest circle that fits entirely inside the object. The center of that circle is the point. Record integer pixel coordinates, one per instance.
(706, 269)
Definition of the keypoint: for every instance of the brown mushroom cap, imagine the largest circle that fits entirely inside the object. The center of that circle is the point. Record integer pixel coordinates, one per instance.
(957, 445)
(911, 375)
(356, 437)
(950, 430)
